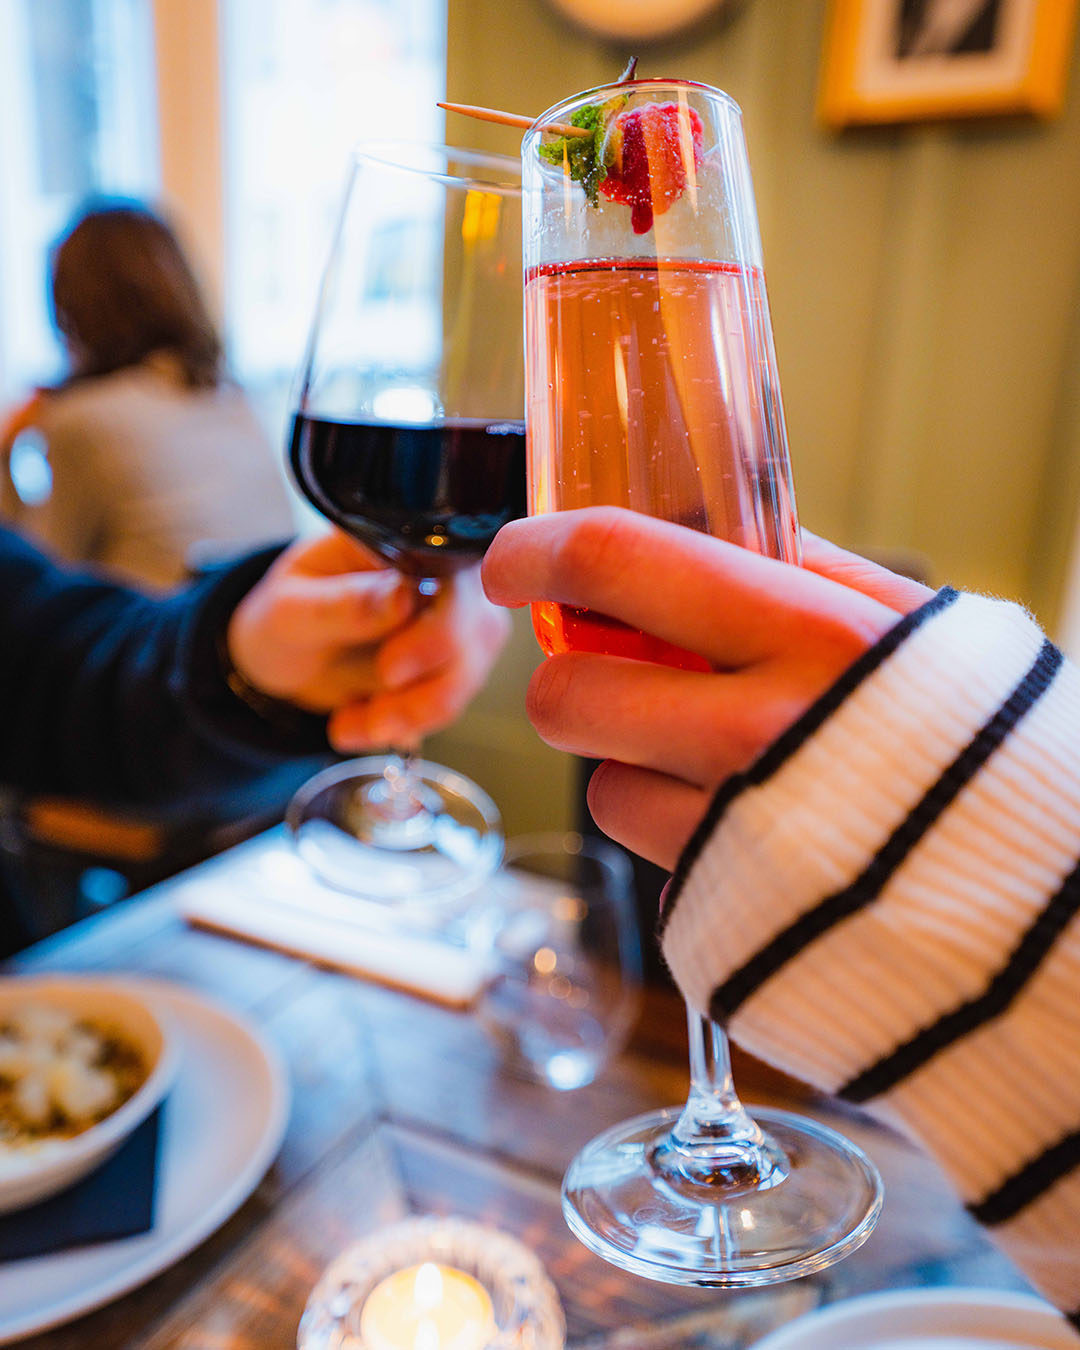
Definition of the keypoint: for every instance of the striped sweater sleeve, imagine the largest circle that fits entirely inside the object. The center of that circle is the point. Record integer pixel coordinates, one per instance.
(885, 905)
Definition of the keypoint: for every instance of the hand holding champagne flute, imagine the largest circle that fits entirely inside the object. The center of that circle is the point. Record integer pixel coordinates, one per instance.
(651, 384)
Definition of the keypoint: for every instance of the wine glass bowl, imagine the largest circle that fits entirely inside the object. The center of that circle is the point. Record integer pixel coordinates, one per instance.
(651, 384)
(409, 425)
(427, 499)
(408, 434)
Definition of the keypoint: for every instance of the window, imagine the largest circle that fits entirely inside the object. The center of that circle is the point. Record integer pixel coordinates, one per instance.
(304, 81)
(79, 118)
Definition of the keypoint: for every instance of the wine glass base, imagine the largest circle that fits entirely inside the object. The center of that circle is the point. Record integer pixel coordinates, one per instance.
(618, 1202)
(372, 814)
(444, 851)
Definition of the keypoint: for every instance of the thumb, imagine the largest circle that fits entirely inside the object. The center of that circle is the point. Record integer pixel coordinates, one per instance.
(353, 607)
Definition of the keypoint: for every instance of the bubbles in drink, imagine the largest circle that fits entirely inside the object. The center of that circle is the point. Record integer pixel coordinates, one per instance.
(652, 385)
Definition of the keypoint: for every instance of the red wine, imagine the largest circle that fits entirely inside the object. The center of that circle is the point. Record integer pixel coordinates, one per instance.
(427, 499)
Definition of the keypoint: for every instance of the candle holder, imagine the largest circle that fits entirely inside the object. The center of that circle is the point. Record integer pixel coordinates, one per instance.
(525, 1307)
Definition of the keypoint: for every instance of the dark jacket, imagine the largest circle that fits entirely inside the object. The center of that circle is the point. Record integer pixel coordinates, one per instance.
(110, 695)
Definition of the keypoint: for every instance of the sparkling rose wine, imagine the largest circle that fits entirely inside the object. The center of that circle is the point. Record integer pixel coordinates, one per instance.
(652, 385)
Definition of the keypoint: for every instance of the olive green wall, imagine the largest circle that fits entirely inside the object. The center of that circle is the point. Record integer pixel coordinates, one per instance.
(924, 283)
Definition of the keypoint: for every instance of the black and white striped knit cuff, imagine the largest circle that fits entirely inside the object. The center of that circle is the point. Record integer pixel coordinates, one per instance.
(885, 905)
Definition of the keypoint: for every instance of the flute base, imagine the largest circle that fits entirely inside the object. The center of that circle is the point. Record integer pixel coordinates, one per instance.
(814, 1199)
(361, 833)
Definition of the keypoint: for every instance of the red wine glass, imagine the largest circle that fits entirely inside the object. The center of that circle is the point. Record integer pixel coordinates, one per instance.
(408, 434)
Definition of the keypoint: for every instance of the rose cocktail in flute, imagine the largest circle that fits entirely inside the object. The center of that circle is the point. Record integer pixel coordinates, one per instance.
(651, 384)
(651, 375)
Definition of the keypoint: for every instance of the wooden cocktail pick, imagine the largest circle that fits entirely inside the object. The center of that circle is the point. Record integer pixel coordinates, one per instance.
(507, 119)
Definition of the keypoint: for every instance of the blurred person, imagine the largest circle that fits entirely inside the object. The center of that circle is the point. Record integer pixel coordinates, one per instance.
(157, 460)
(109, 694)
(870, 804)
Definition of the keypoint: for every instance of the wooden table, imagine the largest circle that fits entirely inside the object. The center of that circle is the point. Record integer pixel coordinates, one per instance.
(400, 1106)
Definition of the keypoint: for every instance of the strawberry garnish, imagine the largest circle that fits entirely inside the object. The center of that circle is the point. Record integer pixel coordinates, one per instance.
(642, 157)
(650, 152)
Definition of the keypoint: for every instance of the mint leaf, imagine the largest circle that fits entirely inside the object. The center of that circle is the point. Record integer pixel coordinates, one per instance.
(584, 155)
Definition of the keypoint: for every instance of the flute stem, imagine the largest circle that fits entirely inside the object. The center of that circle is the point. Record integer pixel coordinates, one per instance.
(715, 1142)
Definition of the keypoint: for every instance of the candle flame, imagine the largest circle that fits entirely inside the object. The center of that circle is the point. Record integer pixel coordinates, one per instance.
(428, 1292)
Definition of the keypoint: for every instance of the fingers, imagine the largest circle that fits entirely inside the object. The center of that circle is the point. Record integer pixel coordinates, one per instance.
(860, 574)
(732, 606)
(698, 727)
(648, 813)
(348, 678)
(428, 671)
(330, 553)
(460, 627)
(350, 608)
(332, 589)
(403, 717)
(369, 725)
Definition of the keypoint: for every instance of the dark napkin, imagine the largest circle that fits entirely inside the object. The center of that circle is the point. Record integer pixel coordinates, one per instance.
(116, 1200)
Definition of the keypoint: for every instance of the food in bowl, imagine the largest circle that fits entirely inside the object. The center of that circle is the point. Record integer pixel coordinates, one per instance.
(84, 1060)
(60, 1073)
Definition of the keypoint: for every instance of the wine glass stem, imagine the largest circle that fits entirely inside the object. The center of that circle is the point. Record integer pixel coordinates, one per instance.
(398, 797)
(715, 1141)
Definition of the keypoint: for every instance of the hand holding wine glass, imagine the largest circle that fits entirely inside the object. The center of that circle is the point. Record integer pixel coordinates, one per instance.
(333, 631)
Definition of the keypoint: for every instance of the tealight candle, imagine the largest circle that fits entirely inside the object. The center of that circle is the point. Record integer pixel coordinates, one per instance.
(428, 1307)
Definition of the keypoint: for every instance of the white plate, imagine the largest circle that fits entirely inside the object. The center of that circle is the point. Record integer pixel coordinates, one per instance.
(223, 1124)
(929, 1319)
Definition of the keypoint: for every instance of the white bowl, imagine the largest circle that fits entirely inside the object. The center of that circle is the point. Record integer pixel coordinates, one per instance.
(929, 1319)
(30, 1175)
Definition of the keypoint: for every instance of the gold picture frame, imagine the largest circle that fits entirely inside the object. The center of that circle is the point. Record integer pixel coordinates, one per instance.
(909, 60)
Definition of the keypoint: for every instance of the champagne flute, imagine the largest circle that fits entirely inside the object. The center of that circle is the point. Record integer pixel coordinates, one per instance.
(408, 434)
(651, 384)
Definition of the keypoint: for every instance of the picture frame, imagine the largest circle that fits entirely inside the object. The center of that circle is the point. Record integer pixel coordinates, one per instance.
(907, 60)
